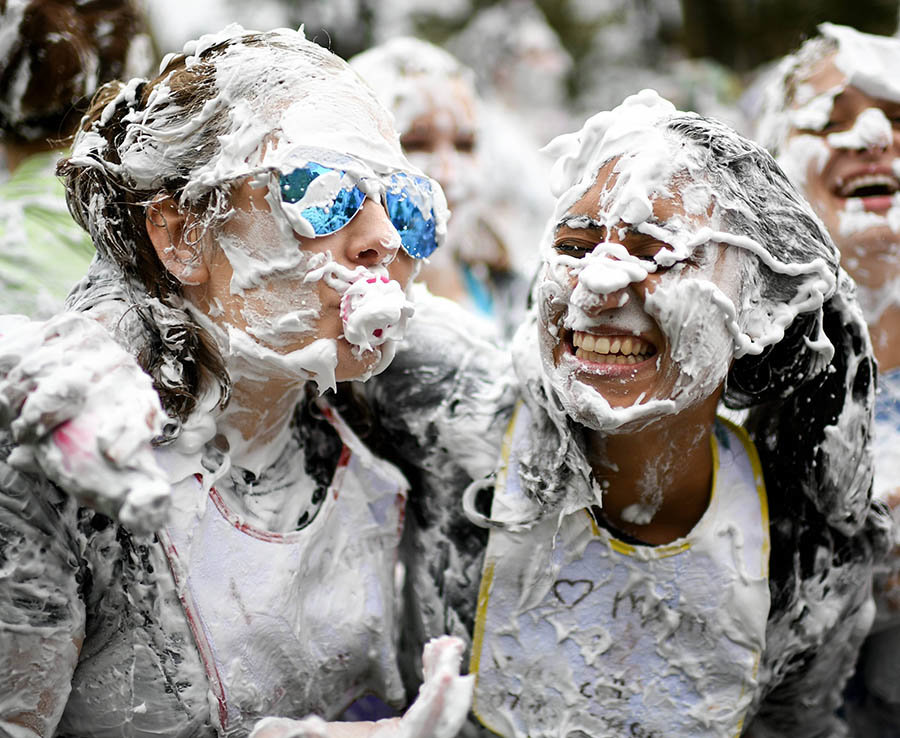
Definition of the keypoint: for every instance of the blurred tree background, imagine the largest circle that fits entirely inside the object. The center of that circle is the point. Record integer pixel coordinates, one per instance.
(574, 55)
(738, 34)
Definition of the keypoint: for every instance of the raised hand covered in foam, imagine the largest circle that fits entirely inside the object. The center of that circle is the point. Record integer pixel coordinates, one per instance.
(439, 711)
(83, 413)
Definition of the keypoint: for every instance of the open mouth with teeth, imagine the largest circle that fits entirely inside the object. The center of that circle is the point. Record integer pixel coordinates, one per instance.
(611, 349)
(869, 185)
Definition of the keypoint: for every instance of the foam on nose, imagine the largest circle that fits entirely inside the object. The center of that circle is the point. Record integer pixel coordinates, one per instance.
(872, 129)
(607, 269)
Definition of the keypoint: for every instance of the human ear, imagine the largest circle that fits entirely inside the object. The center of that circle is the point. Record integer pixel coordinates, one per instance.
(170, 233)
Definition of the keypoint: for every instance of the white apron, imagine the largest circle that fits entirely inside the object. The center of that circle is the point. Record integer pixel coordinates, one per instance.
(296, 623)
(578, 633)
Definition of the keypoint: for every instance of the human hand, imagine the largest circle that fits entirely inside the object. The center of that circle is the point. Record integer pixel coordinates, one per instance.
(438, 712)
(82, 411)
(444, 698)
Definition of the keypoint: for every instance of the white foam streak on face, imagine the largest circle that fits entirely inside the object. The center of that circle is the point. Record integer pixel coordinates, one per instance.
(765, 325)
(699, 322)
(870, 62)
(608, 268)
(854, 219)
(798, 153)
(872, 129)
(812, 114)
(259, 250)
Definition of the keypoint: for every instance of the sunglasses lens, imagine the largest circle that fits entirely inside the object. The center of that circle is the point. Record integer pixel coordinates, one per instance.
(326, 218)
(405, 209)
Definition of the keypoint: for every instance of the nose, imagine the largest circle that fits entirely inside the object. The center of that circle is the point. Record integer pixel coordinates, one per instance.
(372, 238)
(872, 132)
(606, 282)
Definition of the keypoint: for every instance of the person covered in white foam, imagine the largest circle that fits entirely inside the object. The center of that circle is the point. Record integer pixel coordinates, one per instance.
(497, 211)
(256, 226)
(650, 569)
(832, 118)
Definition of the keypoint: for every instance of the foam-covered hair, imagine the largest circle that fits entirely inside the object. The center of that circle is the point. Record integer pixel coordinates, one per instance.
(204, 123)
(404, 70)
(54, 54)
(806, 374)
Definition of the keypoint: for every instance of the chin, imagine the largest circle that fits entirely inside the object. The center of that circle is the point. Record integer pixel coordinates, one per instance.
(373, 361)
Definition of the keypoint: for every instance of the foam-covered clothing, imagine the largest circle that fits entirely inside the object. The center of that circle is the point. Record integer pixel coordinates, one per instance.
(43, 252)
(445, 403)
(576, 627)
(215, 622)
(873, 696)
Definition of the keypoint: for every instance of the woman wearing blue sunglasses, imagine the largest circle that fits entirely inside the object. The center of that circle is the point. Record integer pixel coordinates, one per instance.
(256, 227)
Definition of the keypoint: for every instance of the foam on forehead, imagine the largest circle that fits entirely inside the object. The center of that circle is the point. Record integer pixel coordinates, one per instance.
(869, 62)
(647, 160)
(265, 94)
(410, 76)
(309, 97)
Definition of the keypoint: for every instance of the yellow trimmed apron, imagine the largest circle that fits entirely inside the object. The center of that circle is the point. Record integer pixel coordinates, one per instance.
(580, 634)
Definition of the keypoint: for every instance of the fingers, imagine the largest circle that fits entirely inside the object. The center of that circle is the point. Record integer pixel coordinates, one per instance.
(442, 654)
(444, 698)
(82, 411)
(311, 727)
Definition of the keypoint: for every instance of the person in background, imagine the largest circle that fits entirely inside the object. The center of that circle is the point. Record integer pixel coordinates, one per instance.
(441, 120)
(54, 55)
(832, 118)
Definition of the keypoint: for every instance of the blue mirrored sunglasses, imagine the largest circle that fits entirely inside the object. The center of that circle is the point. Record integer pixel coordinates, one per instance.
(408, 200)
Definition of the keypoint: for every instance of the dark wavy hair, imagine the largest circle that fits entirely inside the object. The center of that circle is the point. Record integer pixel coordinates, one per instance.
(63, 51)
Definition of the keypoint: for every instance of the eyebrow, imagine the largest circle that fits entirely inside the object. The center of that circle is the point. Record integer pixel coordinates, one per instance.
(580, 222)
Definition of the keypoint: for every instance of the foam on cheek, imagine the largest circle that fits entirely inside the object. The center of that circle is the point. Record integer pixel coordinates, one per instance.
(801, 155)
(812, 111)
(854, 219)
(259, 248)
(698, 320)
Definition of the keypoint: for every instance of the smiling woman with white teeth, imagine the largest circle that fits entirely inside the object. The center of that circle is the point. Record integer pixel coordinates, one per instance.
(649, 569)
(833, 120)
